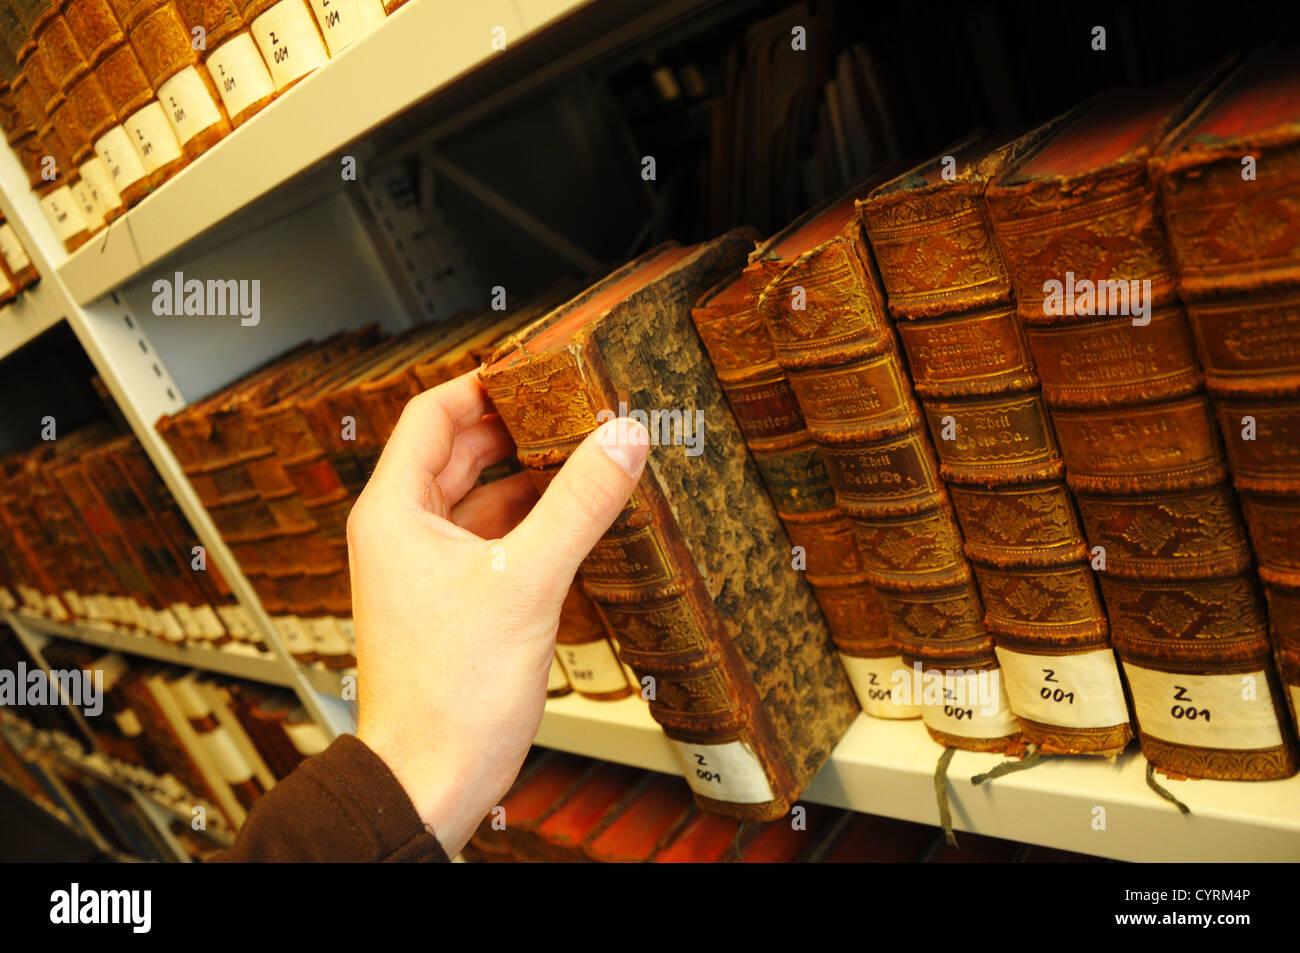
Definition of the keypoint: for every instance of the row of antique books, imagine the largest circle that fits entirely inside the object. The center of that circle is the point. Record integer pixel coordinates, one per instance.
(564, 808)
(89, 532)
(1015, 448)
(184, 737)
(101, 812)
(105, 100)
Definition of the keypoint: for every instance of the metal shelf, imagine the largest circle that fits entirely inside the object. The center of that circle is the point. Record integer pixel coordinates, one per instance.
(422, 48)
(36, 310)
(887, 768)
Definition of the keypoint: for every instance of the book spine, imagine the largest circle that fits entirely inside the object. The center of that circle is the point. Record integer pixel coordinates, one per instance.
(287, 34)
(973, 373)
(585, 653)
(229, 56)
(641, 578)
(163, 43)
(826, 315)
(1240, 285)
(343, 22)
(1144, 459)
(768, 413)
(16, 258)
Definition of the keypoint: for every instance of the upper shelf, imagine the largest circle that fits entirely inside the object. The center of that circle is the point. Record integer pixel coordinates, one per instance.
(422, 48)
(1081, 804)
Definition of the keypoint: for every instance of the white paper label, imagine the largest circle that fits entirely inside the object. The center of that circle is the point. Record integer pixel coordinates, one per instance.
(970, 704)
(725, 772)
(152, 137)
(343, 21)
(231, 765)
(64, 212)
(289, 41)
(5, 285)
(1072, 691)
(325, 635)
(120, 158)
(56, 609)
(349, 632)
(75, 603)
(188, 104)
(185, 617)
(1205, 711)
(12, 249)
(91, 213)
(879, 693)
(7, 600)
(209, 626)
(296, 637)
(239, 73)
(592, 667)
(95, 174)
(235, 620)
(128, 723)
(307, 738)
(556, 680)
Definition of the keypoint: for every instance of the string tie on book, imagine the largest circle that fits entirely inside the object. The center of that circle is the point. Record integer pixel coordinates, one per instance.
(1006, 767)
(1165, 793)
(735, 842)
(941, 795)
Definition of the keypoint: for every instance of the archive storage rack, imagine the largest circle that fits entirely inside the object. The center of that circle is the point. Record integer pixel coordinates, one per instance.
(275, 200)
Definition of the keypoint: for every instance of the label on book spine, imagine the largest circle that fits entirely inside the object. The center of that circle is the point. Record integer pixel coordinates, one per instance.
(91, 212)
(726, 772)
(307, 737)
(120, 158)
(348, 630)
(289, 41)
(95, 174)
(1234, 711)
(975, 705)
(229, 760)
(152, 137)
(343, 21)
(879, 693)
(1073, 691)
(74, 602)
(296, 637)
(11, 248)
(325, 635)
(55, 609)
(7, 600)
(188, 104)
(592, 667)
(236, 622)
(64, 213)
(240, 73)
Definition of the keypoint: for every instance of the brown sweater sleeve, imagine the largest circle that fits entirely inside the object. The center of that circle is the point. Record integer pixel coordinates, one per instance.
(342, 805)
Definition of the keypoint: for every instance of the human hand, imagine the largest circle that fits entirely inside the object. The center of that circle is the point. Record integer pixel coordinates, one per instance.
(452, 652)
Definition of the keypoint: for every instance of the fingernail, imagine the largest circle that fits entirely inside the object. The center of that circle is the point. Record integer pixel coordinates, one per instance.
(625, 442)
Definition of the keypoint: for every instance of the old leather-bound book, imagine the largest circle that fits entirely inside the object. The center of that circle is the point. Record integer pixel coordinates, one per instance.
(951, 298)
(694, 578)
(601, 792)
(288, 37)
(643, 824)
(343, 22)
(711, 839)
(586, 654)
(163, 42)
(229, 56)
(543, 787)
(768, 413)
(1229, 182)
(1078, 227)
(821, 301)
(16, 258)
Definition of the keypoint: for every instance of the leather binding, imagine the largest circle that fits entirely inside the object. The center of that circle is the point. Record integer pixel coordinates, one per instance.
(220, 697)
(643, 824)
(585, 652)
(22, 272)
(1142, 452)
(136, 160)
(1236, 248)
(711, 839)
(746, 683)
(230, 58)
(130, 73)
(768, 413)
(533, 799)
(163, 42)
(264, 714)
(601, 793)
(821, 301)
(287, 34)
(951, 298)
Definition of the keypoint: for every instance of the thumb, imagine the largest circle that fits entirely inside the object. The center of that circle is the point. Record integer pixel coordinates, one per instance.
(578, 507)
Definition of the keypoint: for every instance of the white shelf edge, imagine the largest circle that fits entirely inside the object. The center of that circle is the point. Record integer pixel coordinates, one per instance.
(256, 669)
(887, 768)
(429, 45)
(36, 311)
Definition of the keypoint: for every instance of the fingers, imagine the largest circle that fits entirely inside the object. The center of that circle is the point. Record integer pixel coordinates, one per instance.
(492, 511)
(425, 436)
(579, 505)
(477, 446)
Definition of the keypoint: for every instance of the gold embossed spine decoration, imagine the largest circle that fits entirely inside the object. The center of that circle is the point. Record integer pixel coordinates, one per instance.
(1129, 407)
(693, 579)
